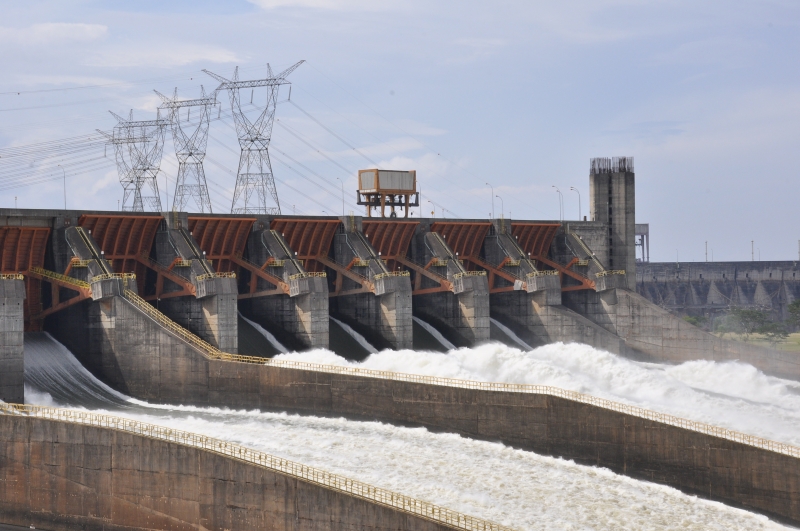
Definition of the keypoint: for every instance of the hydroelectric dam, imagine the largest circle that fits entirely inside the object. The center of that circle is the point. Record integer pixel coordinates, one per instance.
(154, 323)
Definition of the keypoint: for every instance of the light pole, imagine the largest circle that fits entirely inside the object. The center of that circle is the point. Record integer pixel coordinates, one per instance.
(502, 206)
(64, 173)
(433, 212)
(560, 204)
(492, 187)
(340, 182)
(579, 201)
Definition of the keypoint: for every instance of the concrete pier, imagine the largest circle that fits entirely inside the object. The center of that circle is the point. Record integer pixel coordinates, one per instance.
(299, 318)
(211, 310)
(376, 302)
(461, 314)
(12, 333)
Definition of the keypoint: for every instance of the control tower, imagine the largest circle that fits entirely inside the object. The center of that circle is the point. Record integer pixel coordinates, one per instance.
(382, 188)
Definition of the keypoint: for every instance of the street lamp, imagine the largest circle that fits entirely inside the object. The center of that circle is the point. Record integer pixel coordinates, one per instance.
(502, 206)
(560, 204)
(64, 173)
(433, 212)
(492, 187)
(340, 182)
(579, 201)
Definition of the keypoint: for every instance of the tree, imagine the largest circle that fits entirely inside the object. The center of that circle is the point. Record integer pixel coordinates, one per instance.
(695, 320)
(794, 312)
(748, 321)
(773, 332)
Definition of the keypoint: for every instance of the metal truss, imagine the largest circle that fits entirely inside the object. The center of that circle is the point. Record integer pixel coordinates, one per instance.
(138, 147)
(190, 149)
(254, 180)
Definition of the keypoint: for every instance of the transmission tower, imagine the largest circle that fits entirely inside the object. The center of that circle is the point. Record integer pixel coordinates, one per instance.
(138, 147)
(255, 171)
(190, 150)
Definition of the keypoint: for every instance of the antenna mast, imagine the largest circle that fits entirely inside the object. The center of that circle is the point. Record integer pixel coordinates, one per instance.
(190, 150)
(255, 170)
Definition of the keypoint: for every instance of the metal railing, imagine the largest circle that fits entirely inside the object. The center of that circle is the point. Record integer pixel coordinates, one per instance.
(439, 263)
(582, 262)
(391, 274)
(62, 278)
(308, 274)
(511, 263)
(543, 273)
(208, 276)
(183, 263)
(663, 418)
(276, 263)
(107, 276)
(285, 467)
(12, 276)
(470, 274)
(610, 272)
(77, 262)
(585, 248)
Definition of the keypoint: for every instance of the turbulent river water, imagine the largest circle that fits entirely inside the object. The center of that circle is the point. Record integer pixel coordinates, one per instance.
(520, 489)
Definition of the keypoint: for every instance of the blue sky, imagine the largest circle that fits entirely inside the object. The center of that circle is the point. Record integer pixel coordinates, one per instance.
(704, 95)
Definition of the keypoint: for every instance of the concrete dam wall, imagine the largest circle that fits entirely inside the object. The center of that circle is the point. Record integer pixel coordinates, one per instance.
(63, 475)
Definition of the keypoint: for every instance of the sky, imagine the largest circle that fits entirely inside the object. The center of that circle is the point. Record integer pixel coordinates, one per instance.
(516, 94)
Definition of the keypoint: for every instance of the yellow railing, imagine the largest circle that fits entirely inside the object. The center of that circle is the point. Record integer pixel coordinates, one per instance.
(12, 276)
(663, 418)
(512, 263)
(440, 263)
(77, 262)
(610, 272)
(360, 263)
(183, 263)
(470, 274)
(208, 276)
(321, 274)
(276, 263)
(282, 466)
(58, 276)
(543, 273)
(108, 276)
(392, 274)
(582, 263)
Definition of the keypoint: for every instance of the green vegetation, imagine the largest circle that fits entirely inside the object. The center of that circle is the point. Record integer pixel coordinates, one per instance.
(747, 325)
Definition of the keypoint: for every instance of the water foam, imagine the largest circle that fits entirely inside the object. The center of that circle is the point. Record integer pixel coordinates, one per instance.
(488, 480)
(730, 394)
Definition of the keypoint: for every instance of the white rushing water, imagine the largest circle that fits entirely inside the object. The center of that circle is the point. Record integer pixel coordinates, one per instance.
(520, 489)
(435, 333)
(361, 340)
(730, 394)
(269, 337)
(511, 335)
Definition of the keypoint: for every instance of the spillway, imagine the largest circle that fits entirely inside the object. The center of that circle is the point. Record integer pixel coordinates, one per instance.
(729, 394)
(517, 488)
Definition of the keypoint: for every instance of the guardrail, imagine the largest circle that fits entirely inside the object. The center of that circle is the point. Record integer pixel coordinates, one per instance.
(663, 418)
(308, 474)
(107, 276)
(62, 278)
(208, 276)
(320, 274)
(610, 272)
(392, 274)
(470, 274)
(543, 273)
(77, 262)
(183, 263)
(512, 263)
(582, 262)
(12, 276)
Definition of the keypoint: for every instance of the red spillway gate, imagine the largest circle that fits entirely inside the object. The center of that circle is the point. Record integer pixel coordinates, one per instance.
(309, 238)
(23, 248)
(223, 239)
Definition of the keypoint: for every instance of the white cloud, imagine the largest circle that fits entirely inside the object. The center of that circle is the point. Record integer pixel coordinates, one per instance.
(332, 5)
(164, 55)
(52, 32)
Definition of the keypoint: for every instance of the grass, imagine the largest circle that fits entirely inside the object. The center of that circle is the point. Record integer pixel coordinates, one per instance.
(790, 344)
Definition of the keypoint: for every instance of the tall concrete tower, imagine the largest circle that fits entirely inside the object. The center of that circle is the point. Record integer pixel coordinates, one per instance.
(613, 201)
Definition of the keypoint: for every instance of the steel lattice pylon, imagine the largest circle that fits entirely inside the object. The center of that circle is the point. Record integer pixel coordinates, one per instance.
(190, 150)
(255, 169)
(138, 147)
